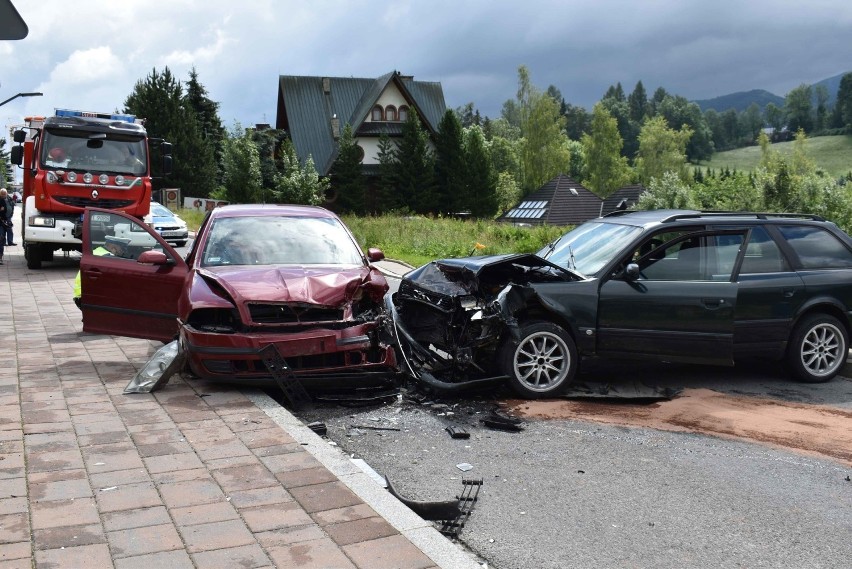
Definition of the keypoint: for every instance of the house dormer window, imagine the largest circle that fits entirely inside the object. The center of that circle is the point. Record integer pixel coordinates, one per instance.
(378, 113)
(403, 113)
(390, 113)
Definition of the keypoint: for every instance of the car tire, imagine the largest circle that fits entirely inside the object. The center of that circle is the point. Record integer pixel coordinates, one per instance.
(33, 255)
(818, 348)
(542, 363)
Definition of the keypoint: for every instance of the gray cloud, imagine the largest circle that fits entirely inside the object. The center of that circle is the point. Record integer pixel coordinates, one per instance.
(691, 48)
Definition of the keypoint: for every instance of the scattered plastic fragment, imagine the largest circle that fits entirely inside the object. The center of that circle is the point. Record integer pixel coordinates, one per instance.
(464, 466)
(156, 373)
(457, 432)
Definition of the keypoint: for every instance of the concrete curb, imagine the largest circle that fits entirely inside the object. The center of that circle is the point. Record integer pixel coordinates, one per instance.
(421, 533)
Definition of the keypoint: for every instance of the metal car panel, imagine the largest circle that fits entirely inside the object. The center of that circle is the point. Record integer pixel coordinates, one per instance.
(127, 298)
(689, 321)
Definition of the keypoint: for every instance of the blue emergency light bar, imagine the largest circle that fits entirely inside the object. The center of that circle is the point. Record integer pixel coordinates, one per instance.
(115, 117)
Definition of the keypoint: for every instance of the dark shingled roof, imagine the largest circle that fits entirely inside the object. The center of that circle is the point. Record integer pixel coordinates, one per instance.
(561, 201)
(628, 194)
(307, 105)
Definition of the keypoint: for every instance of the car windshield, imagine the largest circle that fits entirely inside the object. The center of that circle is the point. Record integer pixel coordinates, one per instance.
(589, 247)
(161, 211)
(267, 240)
(76, 151)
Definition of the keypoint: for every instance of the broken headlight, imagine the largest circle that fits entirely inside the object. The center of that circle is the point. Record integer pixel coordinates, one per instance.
(216, 320)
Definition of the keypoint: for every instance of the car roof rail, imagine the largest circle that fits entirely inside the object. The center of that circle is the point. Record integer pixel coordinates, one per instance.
(755, 215)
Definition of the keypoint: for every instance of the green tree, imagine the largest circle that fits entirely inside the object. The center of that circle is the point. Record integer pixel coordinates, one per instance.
(752, 121)
(543, 149)
(268, 142)
(450, 177)
(679, 112)
(666, 192)
(347, 177)
(606, 169)
(160, 100)
(577, 121)
(7, 174)
(798, 107)
(297, 183)
(627, 128)
(662, 149)
(414, 176)
(821, 118)
(774, 116)
(480, 180)
(207, 116)
(390, 198)
(844, 102)
(638, 103)
(508, 191)
(242, 179)
(736, 192)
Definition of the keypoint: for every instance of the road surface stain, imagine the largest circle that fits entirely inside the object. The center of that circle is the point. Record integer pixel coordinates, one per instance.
(816, 430)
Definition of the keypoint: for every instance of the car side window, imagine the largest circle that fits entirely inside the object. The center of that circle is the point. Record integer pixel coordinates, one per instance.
(816, 247)
(689, 258)
(762, 254)
(114, 236)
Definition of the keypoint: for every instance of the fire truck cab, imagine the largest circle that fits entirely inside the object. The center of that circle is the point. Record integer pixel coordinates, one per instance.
(78, 159)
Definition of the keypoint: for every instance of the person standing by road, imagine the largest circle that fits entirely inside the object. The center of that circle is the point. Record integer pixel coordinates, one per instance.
(8, 237)
(4, 214)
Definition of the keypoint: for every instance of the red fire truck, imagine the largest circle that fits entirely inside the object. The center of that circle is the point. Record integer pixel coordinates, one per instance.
(77, 159)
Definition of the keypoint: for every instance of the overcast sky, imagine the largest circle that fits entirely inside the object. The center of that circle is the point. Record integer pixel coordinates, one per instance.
(88, 54)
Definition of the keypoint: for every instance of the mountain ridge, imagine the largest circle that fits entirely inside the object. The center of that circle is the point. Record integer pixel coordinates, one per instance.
(741, 100)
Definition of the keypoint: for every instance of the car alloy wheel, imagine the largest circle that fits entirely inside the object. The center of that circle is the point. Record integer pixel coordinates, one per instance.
(543, 362)
(819, 348)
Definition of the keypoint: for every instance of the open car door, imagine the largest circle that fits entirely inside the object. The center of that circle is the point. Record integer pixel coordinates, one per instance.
(131, 279)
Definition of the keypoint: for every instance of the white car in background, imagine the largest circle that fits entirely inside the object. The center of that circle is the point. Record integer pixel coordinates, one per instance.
(170, 227)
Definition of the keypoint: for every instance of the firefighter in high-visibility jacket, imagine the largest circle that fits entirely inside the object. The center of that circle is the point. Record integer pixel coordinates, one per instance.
(112, 247)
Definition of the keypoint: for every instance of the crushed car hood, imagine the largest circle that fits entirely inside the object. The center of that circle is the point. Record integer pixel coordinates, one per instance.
(322, 285)
(463, 276)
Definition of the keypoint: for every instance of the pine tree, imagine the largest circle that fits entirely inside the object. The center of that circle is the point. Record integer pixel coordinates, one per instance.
(481, 180)
(159, 99)
(414, 171)
(347, 177)
(389, 196)
(207, 117)
(449, 165)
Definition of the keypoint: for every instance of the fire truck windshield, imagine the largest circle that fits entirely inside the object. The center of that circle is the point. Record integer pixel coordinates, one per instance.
(96, 153)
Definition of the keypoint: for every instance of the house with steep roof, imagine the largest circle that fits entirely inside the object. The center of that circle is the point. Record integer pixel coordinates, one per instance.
(315, 110)
(560, 201)
(622, 198)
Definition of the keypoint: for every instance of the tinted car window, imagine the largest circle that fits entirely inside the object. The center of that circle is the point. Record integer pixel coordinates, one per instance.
(691, 259)
(762, 254)
(816, 247)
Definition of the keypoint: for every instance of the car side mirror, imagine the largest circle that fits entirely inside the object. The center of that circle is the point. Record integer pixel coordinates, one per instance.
(631, 271)
(154, 258)
(19, 136)
(374, 254)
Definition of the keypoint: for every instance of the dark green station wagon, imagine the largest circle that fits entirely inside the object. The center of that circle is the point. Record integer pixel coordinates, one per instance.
(673, 285)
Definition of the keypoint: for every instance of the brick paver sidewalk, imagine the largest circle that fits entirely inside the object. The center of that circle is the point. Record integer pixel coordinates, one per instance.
(194, 475)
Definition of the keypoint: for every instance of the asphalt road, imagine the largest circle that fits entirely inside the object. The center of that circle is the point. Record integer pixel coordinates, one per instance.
(566, 493)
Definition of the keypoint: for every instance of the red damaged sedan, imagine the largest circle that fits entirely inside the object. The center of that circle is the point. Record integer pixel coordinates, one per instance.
(286, 275)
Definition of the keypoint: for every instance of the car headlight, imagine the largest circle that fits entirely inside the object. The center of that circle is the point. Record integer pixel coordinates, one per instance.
(42, 221)
(216, 320)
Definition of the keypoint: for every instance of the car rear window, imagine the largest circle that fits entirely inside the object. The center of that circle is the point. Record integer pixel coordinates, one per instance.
(816, 247)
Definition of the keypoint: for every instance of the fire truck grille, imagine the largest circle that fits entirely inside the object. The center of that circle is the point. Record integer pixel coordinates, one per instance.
(89, 202)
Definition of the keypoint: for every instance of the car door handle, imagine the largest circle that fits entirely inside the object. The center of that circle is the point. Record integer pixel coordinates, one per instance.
(93, 273)
(712, 303)
(789, 292)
